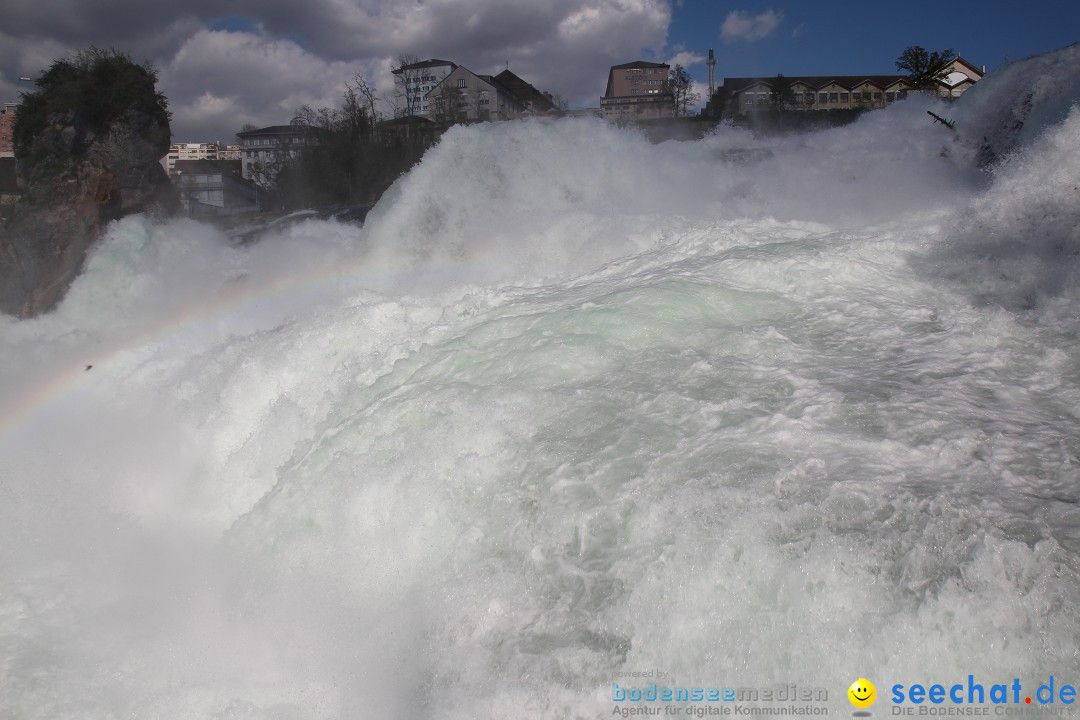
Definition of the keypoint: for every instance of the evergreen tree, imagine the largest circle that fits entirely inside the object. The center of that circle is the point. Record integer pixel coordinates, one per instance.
(95, 88)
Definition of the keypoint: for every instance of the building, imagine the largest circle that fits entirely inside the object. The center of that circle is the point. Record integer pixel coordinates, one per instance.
(637, 91)
(211, 188)
(740, 96)
(534, 101)
(958, 76)
(263, 150)
(463, 95)
(414, 81)
(7, 129)
(191, 151)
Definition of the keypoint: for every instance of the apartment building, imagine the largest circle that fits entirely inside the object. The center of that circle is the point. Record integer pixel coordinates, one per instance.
(637, 91)
(413, 82)
(262, 150)
(739, 96)
(463, 95)
(191, 151)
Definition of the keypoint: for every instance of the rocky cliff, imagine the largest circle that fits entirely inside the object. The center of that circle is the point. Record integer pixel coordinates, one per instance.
(78, 171)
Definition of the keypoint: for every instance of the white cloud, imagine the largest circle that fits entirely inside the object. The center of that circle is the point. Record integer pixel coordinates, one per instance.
(686, 59)
(741, 26)
(218, 81)
(290, 53)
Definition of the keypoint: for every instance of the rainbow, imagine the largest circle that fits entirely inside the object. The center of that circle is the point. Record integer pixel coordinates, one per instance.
(29, 409)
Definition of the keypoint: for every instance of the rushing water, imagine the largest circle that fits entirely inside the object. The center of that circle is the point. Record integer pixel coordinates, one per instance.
(569, 407)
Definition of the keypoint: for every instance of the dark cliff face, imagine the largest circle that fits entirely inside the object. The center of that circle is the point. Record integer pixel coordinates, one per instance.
(79, 182)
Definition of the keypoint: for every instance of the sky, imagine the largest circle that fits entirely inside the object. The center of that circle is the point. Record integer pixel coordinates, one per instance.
(226, 64)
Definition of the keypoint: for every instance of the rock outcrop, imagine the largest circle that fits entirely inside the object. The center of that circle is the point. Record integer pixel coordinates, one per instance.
(75, 179)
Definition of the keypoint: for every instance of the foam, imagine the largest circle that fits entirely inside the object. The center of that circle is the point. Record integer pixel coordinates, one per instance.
(569, 405)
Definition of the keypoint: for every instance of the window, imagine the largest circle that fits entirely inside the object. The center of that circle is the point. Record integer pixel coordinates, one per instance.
(834, 97)
(890, 96)
(843, 97)
(823, 98)
(461, 83)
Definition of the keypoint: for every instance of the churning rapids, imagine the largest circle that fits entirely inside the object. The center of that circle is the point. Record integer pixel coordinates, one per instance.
(569, 406)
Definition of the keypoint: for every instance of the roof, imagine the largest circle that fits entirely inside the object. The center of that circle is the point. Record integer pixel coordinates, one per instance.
(407, 120)
(424, 64)
(493, 82)
(524, 92)
(850, 82)
(279, 130)
(965, 63)
(639, 64)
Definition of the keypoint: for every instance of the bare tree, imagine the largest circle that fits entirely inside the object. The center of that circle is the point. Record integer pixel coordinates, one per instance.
(681, 88)
(355, 119)
(446, 102)
(366, 94)
(407, 84)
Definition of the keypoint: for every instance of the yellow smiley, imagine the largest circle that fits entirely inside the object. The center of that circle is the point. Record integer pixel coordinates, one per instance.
(862, 693)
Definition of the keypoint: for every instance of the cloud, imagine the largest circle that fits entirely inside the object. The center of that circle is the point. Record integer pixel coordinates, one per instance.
(740, 26)
(280, 54)
(686, 59)
(220, 80)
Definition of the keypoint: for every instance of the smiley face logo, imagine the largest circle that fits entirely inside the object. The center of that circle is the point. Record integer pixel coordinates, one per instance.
(862, 693)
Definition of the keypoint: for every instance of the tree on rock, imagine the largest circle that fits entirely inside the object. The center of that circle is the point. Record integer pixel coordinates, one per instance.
(88, 93)
(87, 147)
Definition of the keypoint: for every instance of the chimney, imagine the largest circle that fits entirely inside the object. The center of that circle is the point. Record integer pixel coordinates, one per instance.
(712, 74)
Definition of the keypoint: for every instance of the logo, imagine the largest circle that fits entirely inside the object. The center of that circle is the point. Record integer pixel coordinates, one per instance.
(862, 693)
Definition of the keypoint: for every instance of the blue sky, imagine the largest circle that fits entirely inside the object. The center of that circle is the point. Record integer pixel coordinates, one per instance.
(226, 63)
(845, 37)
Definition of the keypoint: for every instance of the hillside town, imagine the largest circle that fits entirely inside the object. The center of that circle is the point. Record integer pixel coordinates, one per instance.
(217, 179)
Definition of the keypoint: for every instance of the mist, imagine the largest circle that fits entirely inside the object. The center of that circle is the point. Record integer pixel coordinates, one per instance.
(569, 404)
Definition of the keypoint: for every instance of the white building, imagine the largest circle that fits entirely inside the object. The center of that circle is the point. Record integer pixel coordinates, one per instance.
(264, 150)
(191, 151)
(413, 82)
(463, 95)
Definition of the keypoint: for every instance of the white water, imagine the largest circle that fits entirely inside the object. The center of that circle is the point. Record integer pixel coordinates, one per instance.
(570, 405)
